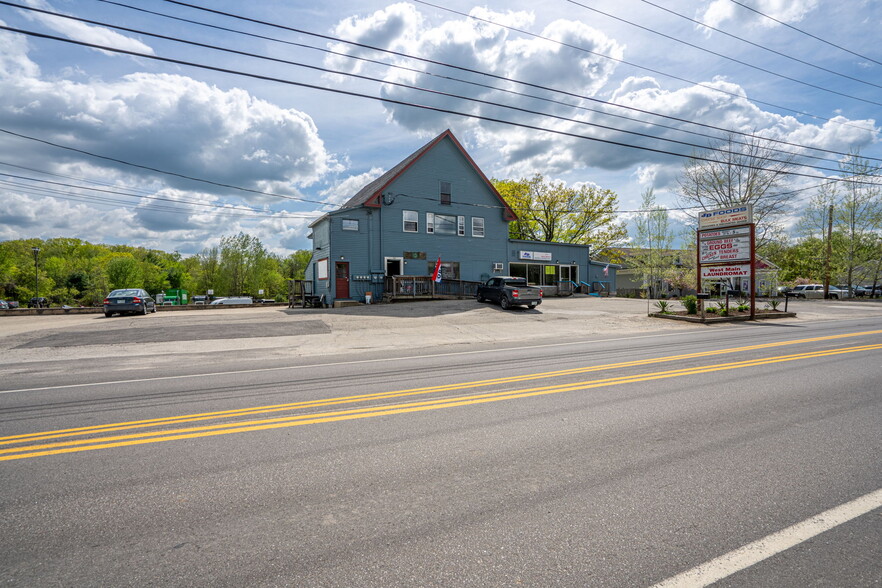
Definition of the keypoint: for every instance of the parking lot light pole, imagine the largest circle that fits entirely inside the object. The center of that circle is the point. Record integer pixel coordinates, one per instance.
(36, 251)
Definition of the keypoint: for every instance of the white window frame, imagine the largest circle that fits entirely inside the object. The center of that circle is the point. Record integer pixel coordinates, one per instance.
(478, 226)
(350, 222)
(415, 220)
(322, 268)
(430, 222)
(448, 193)
(460, 226)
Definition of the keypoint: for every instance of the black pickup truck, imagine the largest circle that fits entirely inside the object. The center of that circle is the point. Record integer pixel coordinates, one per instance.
(508, 292)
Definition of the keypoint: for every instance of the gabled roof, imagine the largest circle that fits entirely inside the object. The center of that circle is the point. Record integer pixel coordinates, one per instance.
(371, 194)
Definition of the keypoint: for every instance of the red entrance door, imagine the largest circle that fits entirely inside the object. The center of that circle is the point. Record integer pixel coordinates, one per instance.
(342, 277)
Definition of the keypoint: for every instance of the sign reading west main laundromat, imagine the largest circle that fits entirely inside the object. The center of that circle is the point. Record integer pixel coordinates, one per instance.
(718, 272)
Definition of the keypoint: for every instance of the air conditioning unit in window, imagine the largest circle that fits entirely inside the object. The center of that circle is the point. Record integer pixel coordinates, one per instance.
(497, 267)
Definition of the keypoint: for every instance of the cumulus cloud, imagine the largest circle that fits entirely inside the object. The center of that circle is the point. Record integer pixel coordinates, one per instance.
(168, 122)
(345, 189)
(568, 61)
(80, 31)
(162, 121)
(788, 11)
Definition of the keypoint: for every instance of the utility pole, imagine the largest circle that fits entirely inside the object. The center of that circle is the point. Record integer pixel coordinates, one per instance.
(36, 251)
(829, 251)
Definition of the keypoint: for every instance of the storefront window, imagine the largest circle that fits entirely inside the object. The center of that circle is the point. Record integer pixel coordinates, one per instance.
(534, 274)
(518, 270)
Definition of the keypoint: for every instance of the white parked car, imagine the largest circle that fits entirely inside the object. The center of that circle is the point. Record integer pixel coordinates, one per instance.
(233, 300)
(815, 291)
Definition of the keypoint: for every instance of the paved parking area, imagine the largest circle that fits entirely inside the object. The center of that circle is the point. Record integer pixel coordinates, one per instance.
(405, 325)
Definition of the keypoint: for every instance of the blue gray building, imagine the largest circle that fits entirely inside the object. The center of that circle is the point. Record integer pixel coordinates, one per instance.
(435, 204)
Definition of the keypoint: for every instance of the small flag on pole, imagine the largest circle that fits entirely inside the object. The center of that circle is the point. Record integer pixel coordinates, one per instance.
(437, 275)
(606, 270)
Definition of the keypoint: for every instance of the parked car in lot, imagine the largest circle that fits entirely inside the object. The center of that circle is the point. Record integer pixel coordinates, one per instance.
(128, 301)
(12, 303)
(815, 291)
(509, 291)
(232, 300)
(4, 305)
(38, 302)
(868, 291)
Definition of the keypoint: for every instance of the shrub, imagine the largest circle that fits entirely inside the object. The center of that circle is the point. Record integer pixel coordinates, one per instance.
(663, 306)
(743, 305)
(722, 309)
(691, 304)
(773, 304)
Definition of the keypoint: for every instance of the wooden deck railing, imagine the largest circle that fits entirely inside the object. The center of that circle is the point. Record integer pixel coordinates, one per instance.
(401, 287)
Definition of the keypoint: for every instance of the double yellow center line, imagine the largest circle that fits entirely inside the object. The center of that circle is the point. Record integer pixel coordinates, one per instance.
(103, 437)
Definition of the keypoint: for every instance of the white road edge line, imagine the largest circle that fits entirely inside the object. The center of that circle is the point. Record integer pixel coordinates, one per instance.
(744, 557)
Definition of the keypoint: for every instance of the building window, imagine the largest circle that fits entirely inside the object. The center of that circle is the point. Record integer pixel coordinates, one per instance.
(411, 221)
(477, 226)
(445, 193)
(460, 226)
(350, 224)
(322, 269)
(430, 222)
(449, 269)
(445, 224)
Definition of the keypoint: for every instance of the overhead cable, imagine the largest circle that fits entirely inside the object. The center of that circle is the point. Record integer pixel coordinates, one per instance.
(473, 83)
(817, 38)
(411, 87)
(744, 63)
(375, 98)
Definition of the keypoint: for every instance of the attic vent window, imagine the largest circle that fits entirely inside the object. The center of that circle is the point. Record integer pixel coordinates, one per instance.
(445, 193)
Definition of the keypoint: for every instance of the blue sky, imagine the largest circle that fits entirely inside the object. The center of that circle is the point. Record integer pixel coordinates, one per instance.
(276, 153)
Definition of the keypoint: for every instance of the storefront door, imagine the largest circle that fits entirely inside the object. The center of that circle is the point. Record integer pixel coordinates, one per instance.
(342, 278)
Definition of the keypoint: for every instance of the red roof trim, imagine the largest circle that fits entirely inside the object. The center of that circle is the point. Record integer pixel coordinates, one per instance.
(375, 199)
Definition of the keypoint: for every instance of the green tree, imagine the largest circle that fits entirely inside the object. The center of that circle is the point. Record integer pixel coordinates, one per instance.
(294, 266)
(124, 271)
(653, 256)
(552, 211)
(733, 171)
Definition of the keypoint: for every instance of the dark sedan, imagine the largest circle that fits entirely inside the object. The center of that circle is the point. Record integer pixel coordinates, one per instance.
(130, 300)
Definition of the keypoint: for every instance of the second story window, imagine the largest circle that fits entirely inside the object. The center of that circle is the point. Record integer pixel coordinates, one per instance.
(349, 224)
(430, 222)
(445, 193)
(411, 221)
(477, 226)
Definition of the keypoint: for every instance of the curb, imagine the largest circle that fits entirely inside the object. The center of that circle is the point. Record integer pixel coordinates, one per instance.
(722, 319)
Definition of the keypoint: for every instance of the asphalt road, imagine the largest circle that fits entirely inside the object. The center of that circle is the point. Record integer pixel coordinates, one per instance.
(562, 454)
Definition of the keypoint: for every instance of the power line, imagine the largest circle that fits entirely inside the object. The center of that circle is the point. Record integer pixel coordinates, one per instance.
(494, 76)
(622, 61)
(468, 82)
(757, 45)
(740, 62)
(805, 32)
(153, 169)
(358, 95)
(400, 85)
(225, 208)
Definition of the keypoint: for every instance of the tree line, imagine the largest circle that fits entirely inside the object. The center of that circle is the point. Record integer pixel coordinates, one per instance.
(75, 272)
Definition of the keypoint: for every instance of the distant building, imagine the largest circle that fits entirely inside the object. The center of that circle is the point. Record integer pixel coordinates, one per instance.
(436, 204)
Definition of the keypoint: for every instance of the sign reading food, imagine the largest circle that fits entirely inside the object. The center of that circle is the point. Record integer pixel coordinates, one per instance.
(741, 214)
